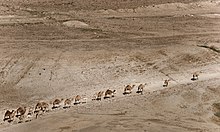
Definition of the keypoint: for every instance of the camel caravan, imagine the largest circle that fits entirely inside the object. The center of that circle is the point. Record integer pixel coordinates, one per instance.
(28, 113)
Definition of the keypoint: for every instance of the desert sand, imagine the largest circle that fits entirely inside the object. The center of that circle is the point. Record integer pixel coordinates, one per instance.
(59, 49)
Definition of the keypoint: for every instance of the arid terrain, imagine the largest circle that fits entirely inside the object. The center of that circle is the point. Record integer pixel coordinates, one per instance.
(53, 49)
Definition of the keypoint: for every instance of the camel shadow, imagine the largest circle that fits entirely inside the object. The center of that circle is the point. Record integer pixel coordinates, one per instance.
(194, 79)
(139, 92)
(18, 116)
(165, 85)
(66, 107)
(106, 97)
(126, 93)
(7, 119)
(55, 107)
(76, 103)
(99, 99)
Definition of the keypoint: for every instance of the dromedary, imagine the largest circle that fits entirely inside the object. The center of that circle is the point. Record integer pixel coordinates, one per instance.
(166, 83)
(109, 93)
(41, 106)
(57, 103)
(9, 115)
(20, 113)
(195, 76)
(99, 95)
(77, 99)
(128, 89)
(67, 103)
(141, 88)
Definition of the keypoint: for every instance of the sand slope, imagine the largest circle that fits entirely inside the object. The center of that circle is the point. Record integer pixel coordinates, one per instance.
(43, 59)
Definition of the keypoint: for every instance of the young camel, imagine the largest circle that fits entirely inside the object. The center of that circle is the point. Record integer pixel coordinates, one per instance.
(9, 115)
(166, 82)
(141, 88)
(109, 93)
(128, 89)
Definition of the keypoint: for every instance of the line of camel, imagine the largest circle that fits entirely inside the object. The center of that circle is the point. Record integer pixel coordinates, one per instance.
(42, 107)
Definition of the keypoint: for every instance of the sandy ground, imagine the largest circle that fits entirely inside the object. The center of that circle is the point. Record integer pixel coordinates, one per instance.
(52, 50)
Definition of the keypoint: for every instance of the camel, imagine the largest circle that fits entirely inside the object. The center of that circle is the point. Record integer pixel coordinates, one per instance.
(38, 107)
(41, 106)
(94, 97)
(166, 83)
(128, 89)
(99, 95)
(30, 112)
(45, 106)
(9, 115)
(57, 103)
(77, 99)
(21, 111)
(67, 103)
(80, 99)
(39, 112)
(195, 76)
(141, 88)
(27, 115)
(109, 93)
